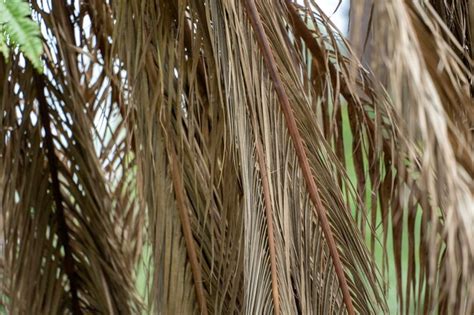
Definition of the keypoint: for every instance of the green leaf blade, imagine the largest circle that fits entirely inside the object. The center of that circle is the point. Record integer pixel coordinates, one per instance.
(21, 30)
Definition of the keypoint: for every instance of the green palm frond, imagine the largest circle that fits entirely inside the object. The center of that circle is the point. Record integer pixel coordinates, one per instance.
(18, 28)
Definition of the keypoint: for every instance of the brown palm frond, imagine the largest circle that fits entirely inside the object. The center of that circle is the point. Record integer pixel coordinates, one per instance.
(242, 153)
(458, 17)
(428, 74)
(199, 81)
(69, 220)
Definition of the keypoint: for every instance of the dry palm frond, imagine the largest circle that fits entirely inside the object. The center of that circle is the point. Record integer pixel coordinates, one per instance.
(429, 77)
(199, 85)
(223, 129)
(458, 17)
(68, 216)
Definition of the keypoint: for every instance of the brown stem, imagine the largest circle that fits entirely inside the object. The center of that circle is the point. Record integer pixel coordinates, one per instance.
(186, 226)
(63, 230)
(268, 213)
(299, 148)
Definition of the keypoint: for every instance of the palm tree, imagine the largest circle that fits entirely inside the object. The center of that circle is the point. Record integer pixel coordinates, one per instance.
(238, 157)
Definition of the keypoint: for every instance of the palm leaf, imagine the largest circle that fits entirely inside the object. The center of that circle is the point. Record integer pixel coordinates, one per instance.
(71, 239)
(183, 83)
(436, 111)
(242, 153)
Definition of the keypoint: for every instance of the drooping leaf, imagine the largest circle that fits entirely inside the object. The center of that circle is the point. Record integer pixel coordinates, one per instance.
(233, 148)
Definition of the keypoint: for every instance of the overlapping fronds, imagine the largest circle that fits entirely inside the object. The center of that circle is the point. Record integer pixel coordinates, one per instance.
(458, 18)
(203, 89)
(70, 220)
(428, 74)
(246, 149)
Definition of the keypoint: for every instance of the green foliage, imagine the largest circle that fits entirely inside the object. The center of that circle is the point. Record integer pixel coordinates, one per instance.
(3, 44)
(18, 29)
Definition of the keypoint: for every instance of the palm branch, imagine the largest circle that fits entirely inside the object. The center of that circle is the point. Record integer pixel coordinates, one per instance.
(240, 152)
